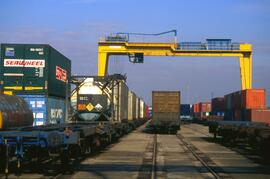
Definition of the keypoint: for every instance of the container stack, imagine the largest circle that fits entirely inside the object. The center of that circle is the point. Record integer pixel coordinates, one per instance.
(202, 110)
(39, 74)
(218, 106)
(196, 110)
(247, 105)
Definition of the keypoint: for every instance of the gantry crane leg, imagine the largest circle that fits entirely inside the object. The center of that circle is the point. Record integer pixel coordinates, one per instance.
(102, 63)
(245, 62)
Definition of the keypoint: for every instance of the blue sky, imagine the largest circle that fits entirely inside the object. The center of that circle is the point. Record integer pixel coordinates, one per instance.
(74, 27)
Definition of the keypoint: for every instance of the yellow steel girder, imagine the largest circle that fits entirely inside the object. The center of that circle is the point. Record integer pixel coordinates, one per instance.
(105, 49)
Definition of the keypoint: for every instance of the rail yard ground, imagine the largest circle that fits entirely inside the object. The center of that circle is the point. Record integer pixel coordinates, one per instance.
(191, 153)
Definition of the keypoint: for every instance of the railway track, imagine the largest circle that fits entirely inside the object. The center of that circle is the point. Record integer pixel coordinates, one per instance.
(216, 171)
(149, 166)
(199, 131)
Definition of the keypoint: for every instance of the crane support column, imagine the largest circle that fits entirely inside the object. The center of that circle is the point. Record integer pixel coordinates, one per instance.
(102, 63)
(245, 62)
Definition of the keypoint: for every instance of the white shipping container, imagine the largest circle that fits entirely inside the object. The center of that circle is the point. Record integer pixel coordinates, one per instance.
(142, 109)
(121, 102)
(137, 116)
(131, 106)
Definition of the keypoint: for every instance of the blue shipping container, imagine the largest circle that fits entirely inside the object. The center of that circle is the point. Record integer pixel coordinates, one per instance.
(185, 109)
(46, 110)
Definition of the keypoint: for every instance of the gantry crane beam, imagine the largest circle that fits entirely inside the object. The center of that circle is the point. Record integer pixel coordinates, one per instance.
(106, 48)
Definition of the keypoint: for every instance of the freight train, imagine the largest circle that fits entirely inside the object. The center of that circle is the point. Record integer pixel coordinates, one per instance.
(102, 116)
(37, 123)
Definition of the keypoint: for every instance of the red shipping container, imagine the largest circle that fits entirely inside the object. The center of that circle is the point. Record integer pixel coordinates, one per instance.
(146, 111)
(196, 108)
(205, 107)
(253, 99)
(257, 115)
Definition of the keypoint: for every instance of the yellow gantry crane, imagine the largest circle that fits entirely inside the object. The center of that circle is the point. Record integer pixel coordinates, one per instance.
(119, 44)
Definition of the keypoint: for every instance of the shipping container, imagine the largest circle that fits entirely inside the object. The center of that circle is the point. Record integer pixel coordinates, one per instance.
(218, 104)
(185, 110)
(131, 106)
(14, 112)
(233, 100)
(236, 100)
(46, 110)
(34, 69)
(205, 107)
(147, 111)
(142, 109)
(256, 115)
(166, 110)
(229, 115)
(121, 102)
(137, 107)
(228, 101)
(253, 99)
(196, 108)
(92, 100)
(246, 99)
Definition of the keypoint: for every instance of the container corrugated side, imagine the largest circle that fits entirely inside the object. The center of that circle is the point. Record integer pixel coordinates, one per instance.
(205, 107)
(142, 109)
(166, 105)
(46, 110)
(185, 109)
(121, 102)
(137, 107)
(253, 99)
(131, 106)
(59, 73)
(256, 115)
(34, 69)
(218, 104)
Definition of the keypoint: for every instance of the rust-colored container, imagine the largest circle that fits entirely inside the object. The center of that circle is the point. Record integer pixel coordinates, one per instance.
(257, 115)
(196, 108)
(166, 109)
(205, 107)
(253, 99)
(218, 104)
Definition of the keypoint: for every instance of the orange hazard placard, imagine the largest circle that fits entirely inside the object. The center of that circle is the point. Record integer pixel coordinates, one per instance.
(81, 107)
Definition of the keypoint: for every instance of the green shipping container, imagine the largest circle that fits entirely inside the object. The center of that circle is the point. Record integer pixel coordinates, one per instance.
(34, 69)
